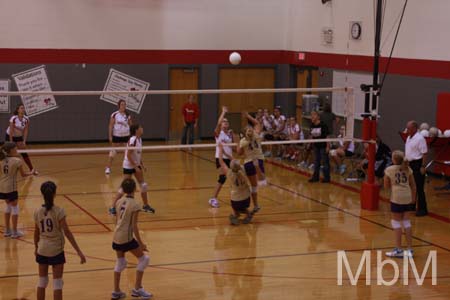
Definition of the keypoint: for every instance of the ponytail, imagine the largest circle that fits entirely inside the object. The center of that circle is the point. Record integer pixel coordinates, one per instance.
(398, 158)
(6, 149)
(48, 190)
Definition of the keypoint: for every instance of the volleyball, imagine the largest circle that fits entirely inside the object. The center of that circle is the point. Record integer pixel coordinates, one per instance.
(425, 133)
(235, 58)
(434, 132)
(424, 126)
(447, 133)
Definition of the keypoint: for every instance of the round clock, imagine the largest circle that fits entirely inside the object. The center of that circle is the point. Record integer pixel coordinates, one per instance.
(356, 31)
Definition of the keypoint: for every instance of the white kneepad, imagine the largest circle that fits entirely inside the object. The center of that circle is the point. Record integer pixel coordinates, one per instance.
(406, 224)
(15, 209)
(333, 152)
(58, 284)
(121, 264)
(43, 282)
(8, 209)
(112, 153)
(144, 187)
(143, 262)
(254, 189)
(396, 224)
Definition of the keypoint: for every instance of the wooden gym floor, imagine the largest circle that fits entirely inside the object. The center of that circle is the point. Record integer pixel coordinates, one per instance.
(288, 252)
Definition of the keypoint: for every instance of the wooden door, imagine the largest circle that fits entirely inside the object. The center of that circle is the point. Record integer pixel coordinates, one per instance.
(180, 79)
(248, 78)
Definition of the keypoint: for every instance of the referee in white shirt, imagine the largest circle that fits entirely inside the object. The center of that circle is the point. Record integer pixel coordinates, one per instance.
(415, 152)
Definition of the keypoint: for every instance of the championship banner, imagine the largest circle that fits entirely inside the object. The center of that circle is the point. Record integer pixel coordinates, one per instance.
(118, 81)
(4, 100)
(35, 80)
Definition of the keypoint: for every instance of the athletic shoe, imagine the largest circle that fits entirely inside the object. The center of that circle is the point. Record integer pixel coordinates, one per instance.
(262, 182)
(148, 208)
(408, 253)
(311, 167)
(112, 211)
(313, 180)
(7, 233)
(303, 164)
(17, 234)
(117, 295)
(247, 219)
(325, 180)
(34, 172)
(107, 171)
(396, 252)
(234, 220)
(256, 209)
(214, 202)
(141, 293)
(342, 169)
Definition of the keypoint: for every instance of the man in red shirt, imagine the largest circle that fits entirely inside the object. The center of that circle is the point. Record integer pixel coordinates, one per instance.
(190, 113)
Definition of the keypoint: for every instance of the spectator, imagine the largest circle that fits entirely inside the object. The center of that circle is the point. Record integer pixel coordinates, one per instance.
(190, 113)
(345, 149)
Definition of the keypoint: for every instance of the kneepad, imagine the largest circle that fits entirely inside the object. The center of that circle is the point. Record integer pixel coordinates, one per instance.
(14, 209)
(121, 264)
(58, 284)
(143, 262)
(112, 153)
(396, 224)
(43, 282)
(222, 179)
(144, 187)
(8, 209)
(254, 189)
(406, 224)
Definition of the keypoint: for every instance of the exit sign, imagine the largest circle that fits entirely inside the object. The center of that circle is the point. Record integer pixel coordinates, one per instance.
(301, 56)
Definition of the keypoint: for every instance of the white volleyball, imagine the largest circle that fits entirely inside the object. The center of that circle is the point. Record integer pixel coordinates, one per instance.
(447, 133)
(235, 58)
(434, 132)
(425, 133)
(424, 126)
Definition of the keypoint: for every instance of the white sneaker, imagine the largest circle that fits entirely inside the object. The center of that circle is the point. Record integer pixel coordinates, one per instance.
(143, 294)
(17, 234)
(117, 295)
(107, 171)
(408, 253)
(262, 182)
(7, 233)
(213, 202)
(311, 166)
(396, 252)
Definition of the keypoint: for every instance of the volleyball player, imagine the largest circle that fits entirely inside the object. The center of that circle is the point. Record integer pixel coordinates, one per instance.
(250, 146)
(223, 135)
(127, 238)
(399, 177)
(49, 230)
(119, 131)
(17, 132)
(133, 165)
(10, 165)
(240, 189)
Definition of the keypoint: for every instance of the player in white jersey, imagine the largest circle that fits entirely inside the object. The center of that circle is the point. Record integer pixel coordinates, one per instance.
(400, 179)
(223, 135)
(49, 230)
(133, 165)
(127, 238)
(240, 189)
(17, 132)
(119, 131)
(10, 166)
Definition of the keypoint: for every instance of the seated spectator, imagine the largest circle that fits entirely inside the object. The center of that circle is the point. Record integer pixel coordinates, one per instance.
(344, 149)
(382, 159)
(280, 130)
(294, 132)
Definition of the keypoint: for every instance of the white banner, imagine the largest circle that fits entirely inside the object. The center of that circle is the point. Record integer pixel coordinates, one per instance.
(35, 80)
(118, 81)
(4, 100)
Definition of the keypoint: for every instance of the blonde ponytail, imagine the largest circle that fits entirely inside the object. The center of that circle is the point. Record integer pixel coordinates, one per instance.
(398, 158)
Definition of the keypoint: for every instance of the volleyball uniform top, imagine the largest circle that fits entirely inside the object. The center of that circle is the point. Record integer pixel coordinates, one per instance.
(351, 146)
(19, 125)
(267, 122)
(252, 149)
(224, 138)
(240, 189)
(8, 174)
(51, 235)
(121, 126)
(125, 207)
(278, 123)
(136, 154)
(401, 191)
(291, 130)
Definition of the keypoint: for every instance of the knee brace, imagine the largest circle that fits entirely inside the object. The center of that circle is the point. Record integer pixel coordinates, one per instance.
(8, 209)
(396, 224)
(143, 262)
(43, 282)
(144, 187)
(254, 189)
(406, 224)
(333, 152)
(112, 153)
(14, 210)
(58, 284)
(222, 179)
(121, 264)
